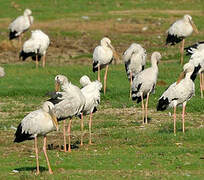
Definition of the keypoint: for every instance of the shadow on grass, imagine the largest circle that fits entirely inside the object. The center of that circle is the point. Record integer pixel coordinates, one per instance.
(31, 169)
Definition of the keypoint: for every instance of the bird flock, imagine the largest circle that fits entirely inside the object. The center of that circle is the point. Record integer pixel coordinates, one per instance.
(69, 101)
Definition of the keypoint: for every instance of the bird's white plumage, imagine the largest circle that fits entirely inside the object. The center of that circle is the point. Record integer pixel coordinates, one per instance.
(39, 122)
(22, 23)
(38, 43)
(182, 27)
(91, 92)
(73, 100)
(135, 59)
(103, 54)
(145, 81)
(2, 72)
(178, 93)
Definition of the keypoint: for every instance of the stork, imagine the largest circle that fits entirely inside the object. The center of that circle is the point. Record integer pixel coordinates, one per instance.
(179, 30)
(37, 123)
(20, 25)
(103, 56)
(67, 104)
(91, 92)
(36, 47)
(135, 59)
(144, 83)
(179, 92)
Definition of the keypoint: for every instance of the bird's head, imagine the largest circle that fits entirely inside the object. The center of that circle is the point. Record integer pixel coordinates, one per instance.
(59, 81)
(156, 56)
(27, 12)
(84, 80)
(189, 19)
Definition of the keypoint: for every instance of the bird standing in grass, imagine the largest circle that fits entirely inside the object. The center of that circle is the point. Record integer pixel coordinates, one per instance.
(144, 83)
(20, 25)
(179, 30)
(37, 123)
(197, 59)
(67, 104)
(135, 59)
(179, 93)
(91, 92)
(103, 55)
(36, 47)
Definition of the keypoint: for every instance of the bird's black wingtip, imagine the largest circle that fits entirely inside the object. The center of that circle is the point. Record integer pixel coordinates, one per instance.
(12, 35)
(21, 136)
(162, 104)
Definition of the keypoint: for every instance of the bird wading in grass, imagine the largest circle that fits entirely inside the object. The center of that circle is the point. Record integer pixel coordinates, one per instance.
(144, 83)
(135, 60)
(35, 47)
(179, 30)
(21, 24)
(37, 123)
(103, 55)
(67, 104)
(179, 93)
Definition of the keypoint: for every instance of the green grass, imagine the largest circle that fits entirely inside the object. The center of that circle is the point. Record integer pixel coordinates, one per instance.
(123, 148)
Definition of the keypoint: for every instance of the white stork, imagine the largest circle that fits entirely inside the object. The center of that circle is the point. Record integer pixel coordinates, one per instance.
(103, 56)
(67, 104)
(135, 59)
(179, 30)
(179, 93)
(91, 92)
(20, 25)
(36, 47)
(37, 123)
(2, 72)
(144, 83)
(197, 59)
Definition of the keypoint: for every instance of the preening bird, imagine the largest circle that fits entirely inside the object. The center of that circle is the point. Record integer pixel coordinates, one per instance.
(67, 104)
(103, 56)
(91, 92)
(135, 59)
(197, 59)
(20, 25)
(37, 123)
(179, 92)
(36, 47)
(2, 72)
(144, 83)
(179, 30)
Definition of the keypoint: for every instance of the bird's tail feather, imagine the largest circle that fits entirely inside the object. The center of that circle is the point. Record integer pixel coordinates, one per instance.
(162, 104)
(21, 136)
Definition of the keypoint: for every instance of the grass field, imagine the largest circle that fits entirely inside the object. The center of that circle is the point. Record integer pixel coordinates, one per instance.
(123, 148)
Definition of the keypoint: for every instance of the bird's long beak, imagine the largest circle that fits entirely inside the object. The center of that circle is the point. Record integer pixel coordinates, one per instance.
(54, 119)
(194, 26)
(115, 54)
(57, 86)
(29, 20)
(181, 76)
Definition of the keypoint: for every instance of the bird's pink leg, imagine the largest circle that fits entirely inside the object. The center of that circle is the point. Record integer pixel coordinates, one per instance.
(44, 60)
(99, 78)
(36, 155)
(64, 133)
(183, 116)
(36, 61)
(174, 119)
(82, 128)
(69, 134)
(201, 85)
(105, 79)
(90, 123)
(130, 84)
(146, 108)
(19, 41)
(182, 51)
(142, 108)
(46, 157)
